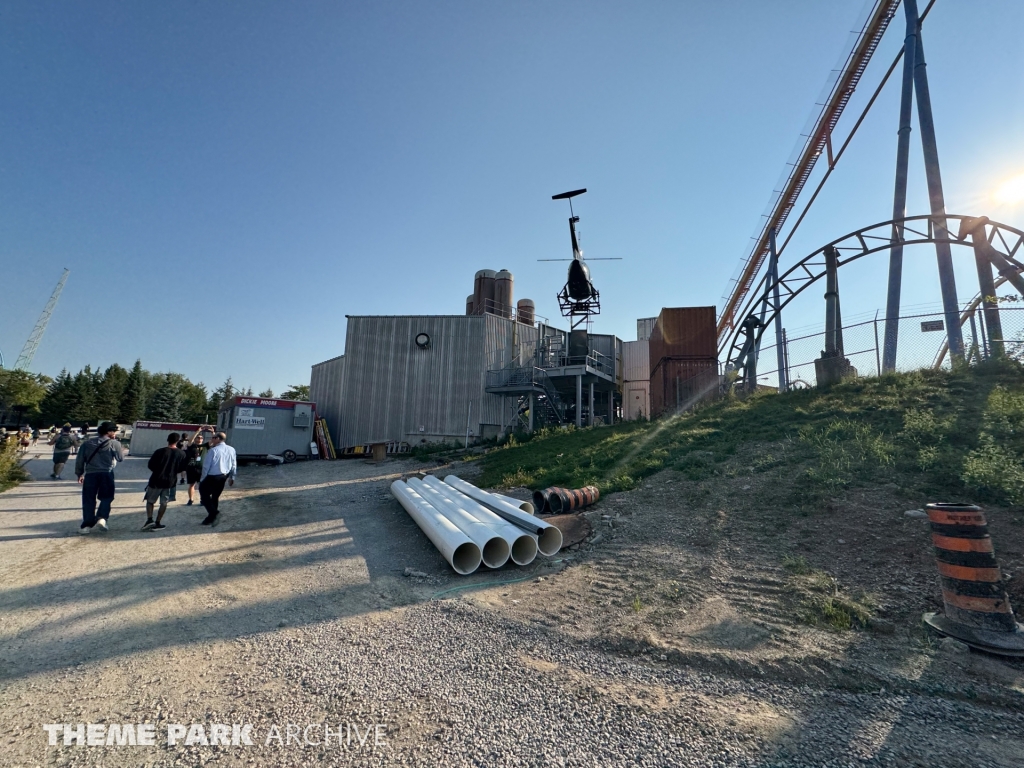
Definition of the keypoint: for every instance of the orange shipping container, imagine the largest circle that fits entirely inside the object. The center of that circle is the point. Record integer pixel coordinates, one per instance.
(684, 332)
(680, 384)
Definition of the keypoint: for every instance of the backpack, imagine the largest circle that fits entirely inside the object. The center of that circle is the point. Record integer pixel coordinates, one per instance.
(64, 443)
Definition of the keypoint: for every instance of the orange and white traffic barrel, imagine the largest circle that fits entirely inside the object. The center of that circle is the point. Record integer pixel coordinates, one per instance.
(977, 608)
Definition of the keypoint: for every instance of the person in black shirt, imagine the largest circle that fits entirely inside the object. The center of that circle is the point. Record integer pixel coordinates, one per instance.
(194, 468)
(165, 464)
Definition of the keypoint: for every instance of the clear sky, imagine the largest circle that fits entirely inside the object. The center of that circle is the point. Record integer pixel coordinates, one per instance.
(226, 181)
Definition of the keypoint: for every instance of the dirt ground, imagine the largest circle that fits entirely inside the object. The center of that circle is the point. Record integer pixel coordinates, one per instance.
(677, 616)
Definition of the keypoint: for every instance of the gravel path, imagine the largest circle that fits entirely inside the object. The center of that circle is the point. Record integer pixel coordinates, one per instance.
(294, 613)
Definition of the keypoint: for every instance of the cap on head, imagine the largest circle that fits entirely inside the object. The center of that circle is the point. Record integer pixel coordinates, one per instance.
(106, 428)
(67, 425)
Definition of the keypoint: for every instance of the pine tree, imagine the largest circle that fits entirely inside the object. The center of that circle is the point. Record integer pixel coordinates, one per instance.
(110, 392)
(225, 391)
(166, 402)
(267, 393)
(54, 406)
(133, 403)
(296, 392)
(82, 407)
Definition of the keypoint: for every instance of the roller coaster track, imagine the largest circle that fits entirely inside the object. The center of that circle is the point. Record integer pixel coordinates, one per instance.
(817, 141)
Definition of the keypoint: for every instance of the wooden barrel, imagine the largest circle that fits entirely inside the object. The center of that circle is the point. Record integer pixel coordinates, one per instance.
(972, 587)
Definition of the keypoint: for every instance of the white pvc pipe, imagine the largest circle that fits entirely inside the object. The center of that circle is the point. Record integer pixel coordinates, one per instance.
(522, 543)
(526, 506)
(549, 538)
(494, 549)
(461, 553)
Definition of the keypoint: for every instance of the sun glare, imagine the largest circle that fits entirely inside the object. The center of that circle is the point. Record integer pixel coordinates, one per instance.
(1011, 191)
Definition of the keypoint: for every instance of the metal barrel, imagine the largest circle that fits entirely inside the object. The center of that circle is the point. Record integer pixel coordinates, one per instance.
(561, 501)
(972, 588)
(541, 500)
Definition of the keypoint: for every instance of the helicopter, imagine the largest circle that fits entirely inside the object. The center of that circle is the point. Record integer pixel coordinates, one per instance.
(578, 299)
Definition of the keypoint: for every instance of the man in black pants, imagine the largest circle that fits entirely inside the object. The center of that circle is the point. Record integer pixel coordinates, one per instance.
(219, 467)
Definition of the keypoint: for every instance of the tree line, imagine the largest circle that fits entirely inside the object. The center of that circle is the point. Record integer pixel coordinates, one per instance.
(116, 394)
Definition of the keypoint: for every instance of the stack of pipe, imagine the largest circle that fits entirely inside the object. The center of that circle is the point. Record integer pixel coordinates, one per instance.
(561, 500)
(470, 526)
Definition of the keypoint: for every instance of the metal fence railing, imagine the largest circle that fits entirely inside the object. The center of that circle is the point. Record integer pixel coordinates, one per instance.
(921, 344)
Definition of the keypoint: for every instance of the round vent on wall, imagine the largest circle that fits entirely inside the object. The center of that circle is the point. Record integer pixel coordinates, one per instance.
(422, 340)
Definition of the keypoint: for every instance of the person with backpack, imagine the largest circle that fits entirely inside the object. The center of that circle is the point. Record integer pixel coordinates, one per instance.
(95, 469)
(165, 464)
(62, 445)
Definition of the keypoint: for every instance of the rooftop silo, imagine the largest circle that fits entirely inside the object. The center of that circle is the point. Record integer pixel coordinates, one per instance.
(525, 311)
(503, 297)
(470, 304)
(483, 291)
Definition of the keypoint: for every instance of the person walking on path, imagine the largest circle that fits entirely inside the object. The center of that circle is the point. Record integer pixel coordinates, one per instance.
(94, 466)
(194, 467)
(62, 444)
(165, 464)
(219, 467)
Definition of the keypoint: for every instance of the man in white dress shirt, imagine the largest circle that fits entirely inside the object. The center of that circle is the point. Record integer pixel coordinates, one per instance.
(219, 467)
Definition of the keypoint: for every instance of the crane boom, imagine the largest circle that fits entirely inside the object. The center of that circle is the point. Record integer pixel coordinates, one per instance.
(32, 344)
(817, 140)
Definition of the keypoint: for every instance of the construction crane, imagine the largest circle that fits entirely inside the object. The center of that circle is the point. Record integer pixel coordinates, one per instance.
(29, 350)
(817, 141)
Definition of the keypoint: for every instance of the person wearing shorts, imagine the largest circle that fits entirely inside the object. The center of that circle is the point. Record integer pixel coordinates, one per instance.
(164, 464)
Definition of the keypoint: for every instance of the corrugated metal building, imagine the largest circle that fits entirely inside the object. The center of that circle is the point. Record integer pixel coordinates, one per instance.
(327, 390)
(683, 350)
(644, 326)
(636, 381)
(419, 378)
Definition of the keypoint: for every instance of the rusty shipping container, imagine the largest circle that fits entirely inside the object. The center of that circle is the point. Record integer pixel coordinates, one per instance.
(679, 384)
(684, 332)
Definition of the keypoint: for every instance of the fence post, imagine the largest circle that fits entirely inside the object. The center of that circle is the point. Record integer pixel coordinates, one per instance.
(878, 362)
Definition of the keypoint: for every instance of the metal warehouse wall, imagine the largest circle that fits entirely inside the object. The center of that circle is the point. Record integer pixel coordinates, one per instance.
(393, 390)
(636, 386)
(327, 391)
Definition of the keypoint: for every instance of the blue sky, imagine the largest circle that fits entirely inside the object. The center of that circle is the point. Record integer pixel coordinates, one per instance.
(227, 181)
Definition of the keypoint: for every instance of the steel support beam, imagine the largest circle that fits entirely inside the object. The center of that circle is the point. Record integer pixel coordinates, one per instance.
(590, 409)
(773, 276)
(987, 287)
(947, 281)
(579, 400)
(899, 202)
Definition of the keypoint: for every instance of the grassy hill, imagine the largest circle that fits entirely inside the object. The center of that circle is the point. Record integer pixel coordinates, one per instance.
(941, 435)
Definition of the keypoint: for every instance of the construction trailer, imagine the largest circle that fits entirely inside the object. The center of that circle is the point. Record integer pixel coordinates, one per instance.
(262, 428)
(148, 436)
(683, 355)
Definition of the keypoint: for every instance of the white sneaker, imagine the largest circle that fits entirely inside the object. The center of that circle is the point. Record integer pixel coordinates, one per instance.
(101, 524)
(83, 531)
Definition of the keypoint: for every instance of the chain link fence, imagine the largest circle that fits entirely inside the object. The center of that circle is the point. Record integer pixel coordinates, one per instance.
(921, 344)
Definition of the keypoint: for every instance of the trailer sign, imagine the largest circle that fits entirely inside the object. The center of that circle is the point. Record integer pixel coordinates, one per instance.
(244, 419)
